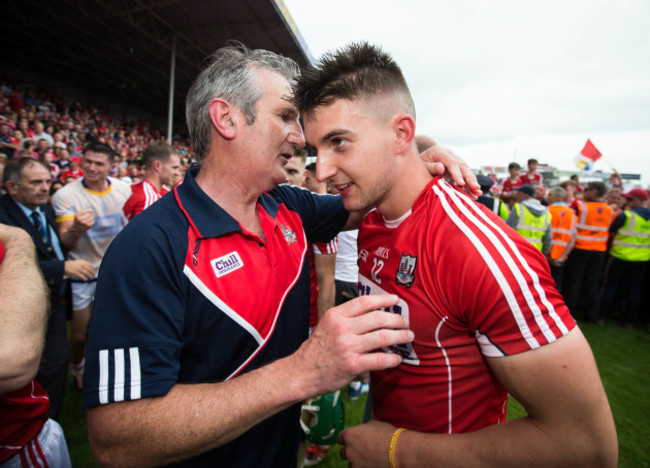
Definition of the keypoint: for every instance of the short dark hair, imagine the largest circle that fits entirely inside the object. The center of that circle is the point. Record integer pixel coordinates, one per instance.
(357, 70)
(101, 148)
(14, 169)
(599, 187)
(514, 165)
(311, 167)
(159, 151)
(532, 160)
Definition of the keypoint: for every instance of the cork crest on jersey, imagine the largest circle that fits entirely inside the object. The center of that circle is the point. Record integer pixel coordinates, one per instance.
(405, 275)
(288, 234)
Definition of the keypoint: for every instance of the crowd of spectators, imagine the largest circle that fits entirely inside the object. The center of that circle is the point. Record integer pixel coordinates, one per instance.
(54, 129)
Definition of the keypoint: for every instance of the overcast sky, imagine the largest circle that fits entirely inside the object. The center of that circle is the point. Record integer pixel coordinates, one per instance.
(501, 81)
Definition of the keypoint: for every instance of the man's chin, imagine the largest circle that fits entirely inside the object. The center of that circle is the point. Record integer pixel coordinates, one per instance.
(352, 205)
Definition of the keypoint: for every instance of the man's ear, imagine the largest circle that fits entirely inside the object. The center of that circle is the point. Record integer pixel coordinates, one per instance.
(157, 164)
(11, 187)
(223, 118)
(404, 127)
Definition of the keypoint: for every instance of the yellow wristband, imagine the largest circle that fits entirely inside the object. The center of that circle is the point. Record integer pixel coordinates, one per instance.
(391, 446)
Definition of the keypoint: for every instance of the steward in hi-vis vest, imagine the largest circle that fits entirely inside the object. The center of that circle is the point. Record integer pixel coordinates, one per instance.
(630, 256)
(594, 219)
(531, 219)
(563, 230)
(587, 260)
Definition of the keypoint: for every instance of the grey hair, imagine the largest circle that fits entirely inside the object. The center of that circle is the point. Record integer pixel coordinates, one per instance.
(559, 191)
(13, 171)
(230, 75)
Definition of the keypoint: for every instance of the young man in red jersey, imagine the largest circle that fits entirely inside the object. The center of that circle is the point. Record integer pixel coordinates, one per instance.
(162, 167)
(486, 316)
(531, 177)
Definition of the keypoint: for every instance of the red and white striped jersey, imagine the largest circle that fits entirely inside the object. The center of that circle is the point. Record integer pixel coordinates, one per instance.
(470, 287)
(526, 179)
(23, 414)
(144, 194)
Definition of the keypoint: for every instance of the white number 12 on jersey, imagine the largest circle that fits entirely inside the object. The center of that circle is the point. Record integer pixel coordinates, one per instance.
(378, 265)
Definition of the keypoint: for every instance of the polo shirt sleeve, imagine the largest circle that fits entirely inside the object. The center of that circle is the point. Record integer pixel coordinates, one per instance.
(323, 216)
(64, 209)
(136, 329)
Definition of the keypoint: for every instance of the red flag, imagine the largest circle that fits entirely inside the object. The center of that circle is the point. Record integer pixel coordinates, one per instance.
(590, 151)
(587, 157)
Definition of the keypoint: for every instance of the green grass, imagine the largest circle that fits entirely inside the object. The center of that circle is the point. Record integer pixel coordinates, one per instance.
(623, 358)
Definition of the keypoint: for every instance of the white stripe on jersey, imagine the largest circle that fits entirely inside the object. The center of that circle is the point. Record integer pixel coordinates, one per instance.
(488, 349)
(103, 376)
(331, 247)
(444, 353)
(498, 275)
(539, 319)
(119, 376)
(136, 378)
(118, 383)
(150, 194)
(507, 257)
(212, 297)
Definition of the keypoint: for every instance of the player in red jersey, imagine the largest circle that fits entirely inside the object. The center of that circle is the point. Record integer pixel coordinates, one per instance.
(162, 167)
(508, 187)
(486, 316)
(531, 177)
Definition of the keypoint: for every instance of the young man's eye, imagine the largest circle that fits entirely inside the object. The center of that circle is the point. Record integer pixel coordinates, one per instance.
(338, 142)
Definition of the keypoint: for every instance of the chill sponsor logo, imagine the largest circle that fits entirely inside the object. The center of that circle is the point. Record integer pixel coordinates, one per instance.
(405, 274)
(288, 234)
(227, 264)
(363, 255)
(382, 252)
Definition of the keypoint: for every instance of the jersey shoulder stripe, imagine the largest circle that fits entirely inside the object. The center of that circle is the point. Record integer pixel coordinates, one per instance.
(489, 239)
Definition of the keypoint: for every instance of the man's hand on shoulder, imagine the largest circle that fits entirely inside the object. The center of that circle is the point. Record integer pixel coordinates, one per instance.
(444, 162)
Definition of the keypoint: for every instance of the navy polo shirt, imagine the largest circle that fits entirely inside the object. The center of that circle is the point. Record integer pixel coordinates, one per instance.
(185, 295)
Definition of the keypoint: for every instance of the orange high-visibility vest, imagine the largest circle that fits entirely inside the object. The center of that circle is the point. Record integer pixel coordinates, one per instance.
(594, 219)
(563, 225)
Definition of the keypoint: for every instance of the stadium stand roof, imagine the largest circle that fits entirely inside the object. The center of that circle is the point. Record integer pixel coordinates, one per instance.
(122, 49)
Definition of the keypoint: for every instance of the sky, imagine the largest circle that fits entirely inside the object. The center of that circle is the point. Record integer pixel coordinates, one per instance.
(502, 81)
